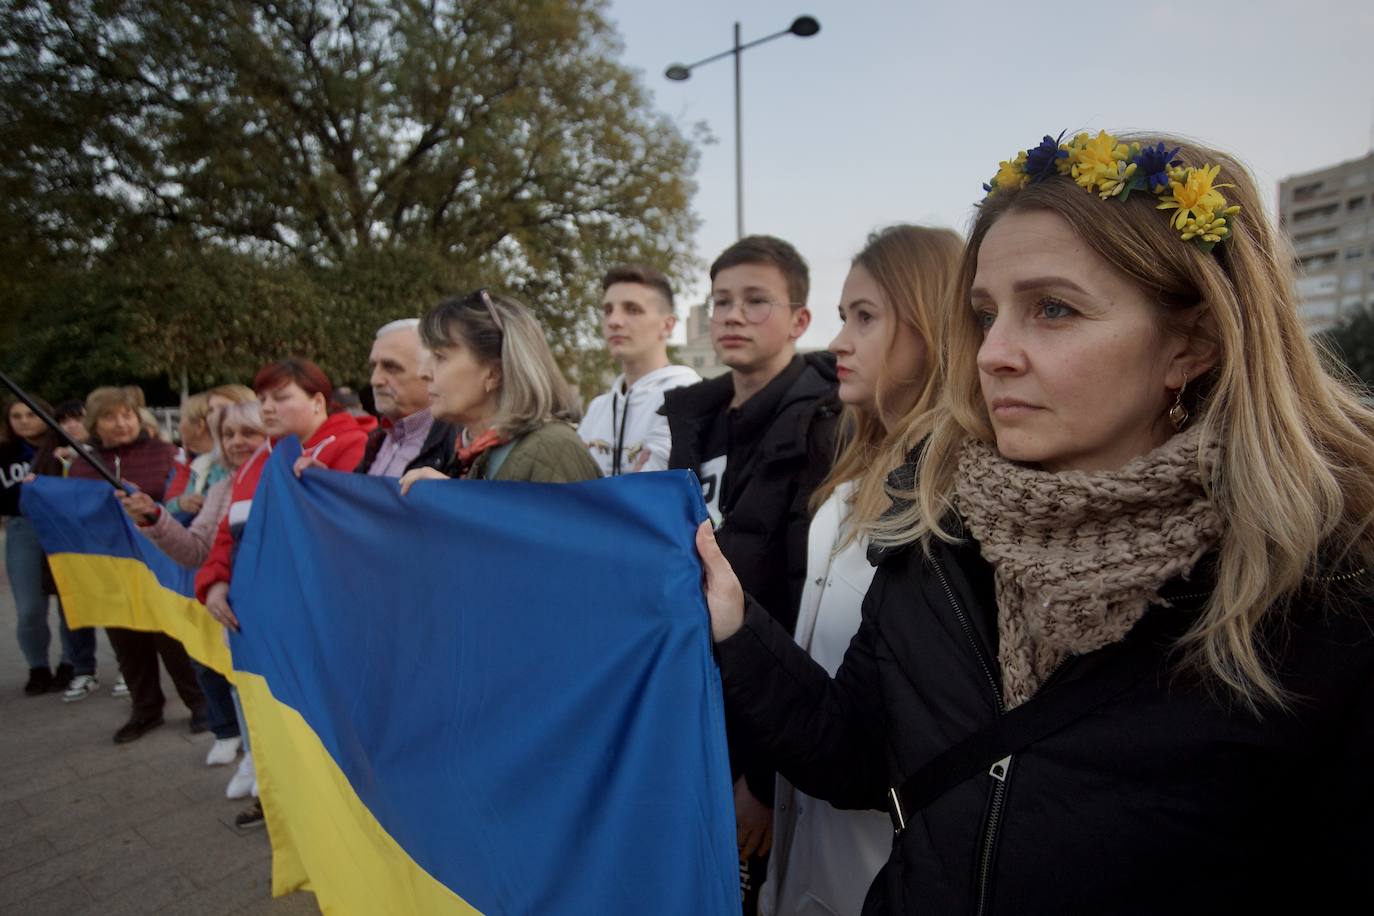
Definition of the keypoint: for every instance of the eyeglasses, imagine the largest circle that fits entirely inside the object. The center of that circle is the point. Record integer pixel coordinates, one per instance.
(755, 309)
(485, 298)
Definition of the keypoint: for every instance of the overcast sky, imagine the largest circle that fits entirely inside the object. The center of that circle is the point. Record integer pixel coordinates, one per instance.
(898, 111)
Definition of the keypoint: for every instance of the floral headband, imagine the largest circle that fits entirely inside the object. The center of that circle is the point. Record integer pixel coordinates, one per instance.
(1115, 169)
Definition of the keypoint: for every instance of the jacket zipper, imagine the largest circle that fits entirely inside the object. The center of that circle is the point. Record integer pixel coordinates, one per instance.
(1001, 770)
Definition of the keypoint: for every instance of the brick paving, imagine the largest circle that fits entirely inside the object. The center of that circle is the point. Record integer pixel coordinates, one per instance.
(89, 827)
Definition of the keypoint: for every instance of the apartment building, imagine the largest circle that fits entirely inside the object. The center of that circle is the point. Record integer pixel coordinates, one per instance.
(1329, 216)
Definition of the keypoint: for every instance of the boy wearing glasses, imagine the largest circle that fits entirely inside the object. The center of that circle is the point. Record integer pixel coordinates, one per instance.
(623, 428)
(761, 438)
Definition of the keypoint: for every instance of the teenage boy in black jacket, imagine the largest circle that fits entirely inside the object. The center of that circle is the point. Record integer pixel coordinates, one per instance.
(760, 438)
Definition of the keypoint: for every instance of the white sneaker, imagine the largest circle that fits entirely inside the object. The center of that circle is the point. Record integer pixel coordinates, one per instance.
(245, 777)
(223, 751)
(81, 686)
(120, 689)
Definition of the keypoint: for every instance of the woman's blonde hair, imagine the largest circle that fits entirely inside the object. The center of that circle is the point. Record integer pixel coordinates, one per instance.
(196, 408)
(234, 393)
(913, 267)
(533, 391)
(1295, 482)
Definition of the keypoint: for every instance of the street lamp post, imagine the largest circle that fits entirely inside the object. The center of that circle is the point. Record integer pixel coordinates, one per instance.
(802, 27)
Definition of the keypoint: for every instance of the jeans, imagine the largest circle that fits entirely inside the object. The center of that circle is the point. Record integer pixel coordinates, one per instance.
(219, 701)
(24, 565)
(243, 723)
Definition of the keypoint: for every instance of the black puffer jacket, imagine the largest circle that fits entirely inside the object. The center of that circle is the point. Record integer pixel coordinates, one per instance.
(765, 525)
(766, 516)
(1166, 799)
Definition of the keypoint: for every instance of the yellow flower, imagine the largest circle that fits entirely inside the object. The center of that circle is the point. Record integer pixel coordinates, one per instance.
(1115, 183)
(1094, 160)
(1011, 175)
(1195, 197)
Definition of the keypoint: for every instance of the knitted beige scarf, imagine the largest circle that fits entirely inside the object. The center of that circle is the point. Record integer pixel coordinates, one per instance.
(1079, 556)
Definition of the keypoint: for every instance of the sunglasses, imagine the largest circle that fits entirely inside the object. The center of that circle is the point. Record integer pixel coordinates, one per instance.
(485, 298)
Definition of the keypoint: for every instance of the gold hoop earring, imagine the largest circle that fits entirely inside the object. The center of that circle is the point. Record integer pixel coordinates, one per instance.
(1178, 414)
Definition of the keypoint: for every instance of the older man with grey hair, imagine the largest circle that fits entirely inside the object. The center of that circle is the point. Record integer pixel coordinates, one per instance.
(408, 436)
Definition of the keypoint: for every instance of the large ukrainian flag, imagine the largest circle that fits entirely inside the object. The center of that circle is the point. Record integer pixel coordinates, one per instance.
(489, 697)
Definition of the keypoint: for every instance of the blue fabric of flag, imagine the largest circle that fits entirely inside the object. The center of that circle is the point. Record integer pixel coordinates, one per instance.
(82, 517)
(516, 679)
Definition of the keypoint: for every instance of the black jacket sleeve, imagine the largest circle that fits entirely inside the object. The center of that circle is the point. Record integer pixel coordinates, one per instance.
(825, 735)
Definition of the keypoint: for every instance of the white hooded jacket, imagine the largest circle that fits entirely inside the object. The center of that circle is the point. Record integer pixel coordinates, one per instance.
(628, 425)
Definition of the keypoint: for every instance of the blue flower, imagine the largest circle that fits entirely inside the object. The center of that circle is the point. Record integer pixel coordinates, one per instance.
(1041, 161)
(1153, 162)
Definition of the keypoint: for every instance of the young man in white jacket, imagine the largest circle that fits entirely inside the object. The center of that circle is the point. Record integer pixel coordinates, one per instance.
(623, 428)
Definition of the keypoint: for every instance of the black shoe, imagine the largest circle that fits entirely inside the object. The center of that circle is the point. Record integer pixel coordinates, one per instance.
(135, 729)
(62, 677)
(249, 818)
(200, 722)
(40, 681)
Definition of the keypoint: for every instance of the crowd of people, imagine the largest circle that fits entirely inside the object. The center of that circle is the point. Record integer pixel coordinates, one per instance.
(1045, 589)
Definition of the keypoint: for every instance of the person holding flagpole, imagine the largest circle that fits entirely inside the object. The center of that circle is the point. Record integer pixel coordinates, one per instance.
(124, 445)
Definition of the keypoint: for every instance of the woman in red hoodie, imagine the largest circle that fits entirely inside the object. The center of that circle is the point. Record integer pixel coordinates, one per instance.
(295, 402)
(295, 397)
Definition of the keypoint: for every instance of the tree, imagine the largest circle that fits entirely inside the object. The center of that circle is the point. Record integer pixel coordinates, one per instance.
(1352, 343)
(363, 156)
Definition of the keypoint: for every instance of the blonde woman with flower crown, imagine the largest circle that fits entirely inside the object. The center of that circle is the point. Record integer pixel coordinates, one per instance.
(1118, 654)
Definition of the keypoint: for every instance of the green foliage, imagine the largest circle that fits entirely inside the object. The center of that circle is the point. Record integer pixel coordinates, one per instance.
(202, 187)
(1352, 343)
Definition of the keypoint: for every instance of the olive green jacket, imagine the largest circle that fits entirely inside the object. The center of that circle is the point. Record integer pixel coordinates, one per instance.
(553, 453)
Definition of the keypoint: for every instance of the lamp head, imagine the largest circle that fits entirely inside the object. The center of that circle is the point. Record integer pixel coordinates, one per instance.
(677, 72)
(804, 26)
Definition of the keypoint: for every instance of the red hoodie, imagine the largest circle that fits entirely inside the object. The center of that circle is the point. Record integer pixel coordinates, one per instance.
(342, 454)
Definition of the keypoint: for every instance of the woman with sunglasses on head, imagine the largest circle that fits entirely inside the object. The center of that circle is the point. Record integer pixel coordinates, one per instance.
(491, 373)
(1118, 655)
(823, 859)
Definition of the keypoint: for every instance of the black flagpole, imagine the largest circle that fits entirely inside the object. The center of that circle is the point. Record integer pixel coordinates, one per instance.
(61, 433)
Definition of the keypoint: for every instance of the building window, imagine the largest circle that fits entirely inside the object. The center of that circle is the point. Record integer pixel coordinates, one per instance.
(1319, 308)
(1353, 280)
(1315, 213)
(1354, 254)
(1310, 287)
(1313, 261)
(1307, 191)
(1310, 240)
(1354, 205)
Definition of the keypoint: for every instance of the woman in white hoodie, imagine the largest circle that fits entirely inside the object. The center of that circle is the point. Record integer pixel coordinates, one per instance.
(824, 859)
(622, 428)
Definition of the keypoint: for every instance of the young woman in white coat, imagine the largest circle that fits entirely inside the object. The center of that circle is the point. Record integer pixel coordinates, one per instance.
(824, 859)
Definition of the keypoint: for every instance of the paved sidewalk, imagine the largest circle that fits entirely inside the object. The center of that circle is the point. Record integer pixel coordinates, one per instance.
(88, 827)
